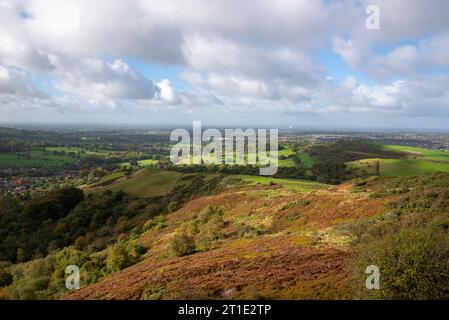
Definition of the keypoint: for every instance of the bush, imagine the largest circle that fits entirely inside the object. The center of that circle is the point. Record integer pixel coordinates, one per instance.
(152, 293)
(211, 231)
(181, 244)
(119, 257)
(413, 264)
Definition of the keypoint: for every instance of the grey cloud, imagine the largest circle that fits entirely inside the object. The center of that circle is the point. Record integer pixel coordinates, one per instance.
(17, 82)
(91, 77)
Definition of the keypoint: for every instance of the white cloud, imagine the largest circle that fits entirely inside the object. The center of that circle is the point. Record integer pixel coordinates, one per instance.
(95, 78)
(235, 56)
(167, 93)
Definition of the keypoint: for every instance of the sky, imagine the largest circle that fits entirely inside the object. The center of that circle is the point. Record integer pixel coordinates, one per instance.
(284, 63)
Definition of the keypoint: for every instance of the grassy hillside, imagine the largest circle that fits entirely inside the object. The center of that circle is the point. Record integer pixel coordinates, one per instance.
(306, 160)
(400, 167)
(144, 183)
(416, 161)
(419, 152)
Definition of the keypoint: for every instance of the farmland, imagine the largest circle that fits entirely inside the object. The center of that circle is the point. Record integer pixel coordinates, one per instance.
(34, 158)
(416, 161)
(420, 152)
(400, 167)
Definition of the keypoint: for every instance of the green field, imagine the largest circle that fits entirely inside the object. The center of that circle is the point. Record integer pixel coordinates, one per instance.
(34, 158)
(298, 185)
(147, 162)
(286, 152)
(145, 183)
(286, 163)
(76, 150)
(262, 158)
(112, 176)
(419, 152)
(400, 167)
(305, 159)
(416, 161)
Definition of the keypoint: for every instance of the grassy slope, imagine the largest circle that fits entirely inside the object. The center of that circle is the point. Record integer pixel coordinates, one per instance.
(401, 167)
(112, 176)
(145, 182)
(305, 159)
(426, 153)
(422, 161)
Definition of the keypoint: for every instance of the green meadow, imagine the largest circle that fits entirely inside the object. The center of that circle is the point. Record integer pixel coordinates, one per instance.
(419, 152)
(416, 161)
(81, 150)
(282, 163)
(305, 159)
(39, 158)
(145, 183)
(400, 167)
(112, 176)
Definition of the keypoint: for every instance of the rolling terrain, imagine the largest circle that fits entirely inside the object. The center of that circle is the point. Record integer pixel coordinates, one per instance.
(277, 242)
(153, 231)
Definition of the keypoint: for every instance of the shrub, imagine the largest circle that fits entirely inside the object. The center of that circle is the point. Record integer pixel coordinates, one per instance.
(152, 293)
(413, 264)
(118, 258)
(210, 231)
(181, 244)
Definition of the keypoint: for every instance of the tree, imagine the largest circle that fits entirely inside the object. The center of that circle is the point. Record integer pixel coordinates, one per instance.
(118, 257)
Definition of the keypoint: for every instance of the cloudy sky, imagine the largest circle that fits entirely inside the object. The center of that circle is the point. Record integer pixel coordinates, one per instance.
(305, 63)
